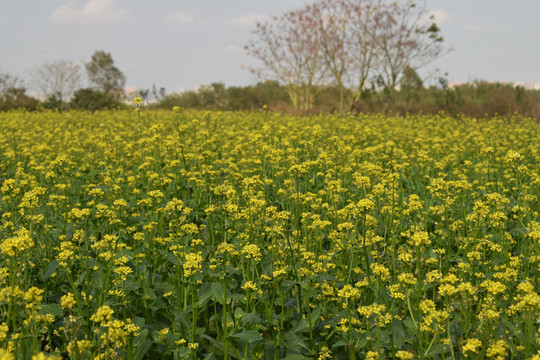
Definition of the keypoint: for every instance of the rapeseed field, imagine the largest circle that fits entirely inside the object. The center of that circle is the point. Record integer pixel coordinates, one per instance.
(216, 235)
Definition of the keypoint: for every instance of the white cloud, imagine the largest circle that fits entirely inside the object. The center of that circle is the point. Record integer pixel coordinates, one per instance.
(247, 20)
(93, 12)
(232, 49)
(439, 15)
(180, 18)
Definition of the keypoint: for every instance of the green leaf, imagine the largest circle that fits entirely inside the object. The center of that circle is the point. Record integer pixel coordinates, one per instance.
(398, 334)
(315, 317)
(218, 345)
(205, 290)
(295, 357)
(301, 326)
(80, 279)
(249, 336)
(53, 309)
(51, 268)
(142, 345)
(295, 344)
(217, 291)
(408, 323)
(98, 280)
(436, 350)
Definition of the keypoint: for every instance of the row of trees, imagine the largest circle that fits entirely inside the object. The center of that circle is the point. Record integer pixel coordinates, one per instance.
(479, 99)
(60, 81)
(345, 43)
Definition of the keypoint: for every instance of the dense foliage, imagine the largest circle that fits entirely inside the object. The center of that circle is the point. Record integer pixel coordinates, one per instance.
(90, 99)
(480, 99)
(230, 235)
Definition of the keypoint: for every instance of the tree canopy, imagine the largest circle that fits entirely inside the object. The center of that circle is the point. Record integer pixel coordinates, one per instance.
(104, 75)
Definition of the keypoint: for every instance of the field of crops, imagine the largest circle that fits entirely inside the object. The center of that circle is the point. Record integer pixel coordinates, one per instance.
(178, 235)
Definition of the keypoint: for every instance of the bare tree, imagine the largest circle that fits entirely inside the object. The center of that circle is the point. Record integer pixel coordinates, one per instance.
(346, 42)
(332, 18)
(291, 53)
(8, 82)
(349, 33)
(409, 38)
(366, 29)
(58, 78)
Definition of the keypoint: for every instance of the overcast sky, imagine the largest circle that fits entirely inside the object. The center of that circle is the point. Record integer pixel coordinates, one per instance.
(181, 44)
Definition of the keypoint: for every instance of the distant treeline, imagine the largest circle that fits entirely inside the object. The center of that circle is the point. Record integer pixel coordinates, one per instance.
(478, 99)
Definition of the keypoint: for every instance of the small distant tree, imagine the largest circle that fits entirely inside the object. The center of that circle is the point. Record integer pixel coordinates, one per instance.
(15, 98)
(160, 94)
(143, 94)
(13, 94)
(213, 96)
(104, 75)
(8, 81)
(410, 80)
(58, 79)
(92, 100)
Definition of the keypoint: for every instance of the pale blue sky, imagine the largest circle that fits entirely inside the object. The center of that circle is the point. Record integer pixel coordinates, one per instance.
(182, 44)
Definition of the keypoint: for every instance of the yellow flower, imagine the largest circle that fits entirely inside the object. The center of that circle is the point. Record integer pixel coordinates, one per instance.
(472, 345)
(102, 315)
(420, 238)
(404, 355)
(6, 355)
(325, 353)
(15, 245)
(42, 356)
(349, 292)
(447, 290)
(163, 334)
(372, 355)
(251, 251)
(381, 271)
(77, 348)
(68, 301)
(407, 278)
(497, 350)
(192, 263)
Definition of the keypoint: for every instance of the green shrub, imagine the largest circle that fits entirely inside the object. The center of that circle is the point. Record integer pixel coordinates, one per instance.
(92, 100)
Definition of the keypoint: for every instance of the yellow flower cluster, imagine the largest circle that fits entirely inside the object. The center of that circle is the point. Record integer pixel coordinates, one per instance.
(17, 244)
(241, 229)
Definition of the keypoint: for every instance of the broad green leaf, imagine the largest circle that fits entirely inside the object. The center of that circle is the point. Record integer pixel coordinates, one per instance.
(142, 348)
(296, 344)
(249, 336)
(301, 326)
(398, 334)
(295, 357)
(51, 268)
(217, 291)
(53, 309)
(436, 350)
(315, 316)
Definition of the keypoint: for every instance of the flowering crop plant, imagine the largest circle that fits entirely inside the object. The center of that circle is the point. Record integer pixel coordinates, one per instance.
(223, 235)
